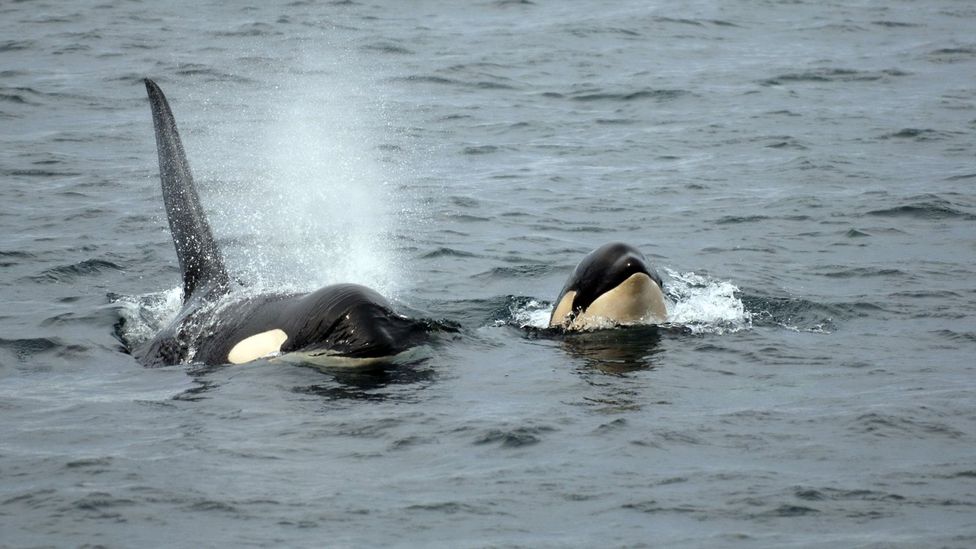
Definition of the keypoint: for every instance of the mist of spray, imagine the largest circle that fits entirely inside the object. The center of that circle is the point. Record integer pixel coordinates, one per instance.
(315, 206)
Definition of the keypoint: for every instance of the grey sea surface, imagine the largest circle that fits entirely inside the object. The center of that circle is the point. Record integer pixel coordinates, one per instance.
(800, 172)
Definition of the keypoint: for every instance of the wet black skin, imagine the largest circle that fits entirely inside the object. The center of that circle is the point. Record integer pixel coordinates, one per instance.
(602, 270)
(343, 319)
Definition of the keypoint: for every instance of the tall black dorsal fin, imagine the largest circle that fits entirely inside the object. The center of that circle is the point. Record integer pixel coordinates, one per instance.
(201, 264)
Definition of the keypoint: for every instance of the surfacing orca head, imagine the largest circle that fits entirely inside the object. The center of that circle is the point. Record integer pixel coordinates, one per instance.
(612, 285)
(352, 321)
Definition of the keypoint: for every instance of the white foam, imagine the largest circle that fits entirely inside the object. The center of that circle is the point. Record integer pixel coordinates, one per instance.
(532, 315)
(695, 302)
(145, 315)
(705, 305)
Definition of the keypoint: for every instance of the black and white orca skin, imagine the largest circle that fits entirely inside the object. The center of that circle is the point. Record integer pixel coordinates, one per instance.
(613, 285)
(343, 320)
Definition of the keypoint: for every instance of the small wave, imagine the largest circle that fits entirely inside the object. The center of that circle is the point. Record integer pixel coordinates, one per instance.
(790, 511)
(446, 252)
(480, 149)
(387, 47)
(21, 95)
(679, 21)
(448, 508)
(951, 335)
(590, 31)
(467, 218)
(16, 45)
(863, 272)
(831, 75)
(894, 24)
(85, 463)
(250, 30)
(793, 314)
(660, 95)
(513, 438)
(835, 27)
(67, 273)
(99, 316)
(519, 271)
(733, 219)
(837, 494)
(968, 474)
(615, 121)
(465, 201)
(427, 79)
(722, 23)
(196, 69)
(918, 134)
(952, 51)
(440, 80)
(25, 349)
(952, 55)
(945, 295)
(16, 254)
(488, 85)
(934, 208)
(100, 502)
(961, 177)
(509, 3)
(15, 98)
(890, 425)
(33, 172)
(209, 506)
(787, 143)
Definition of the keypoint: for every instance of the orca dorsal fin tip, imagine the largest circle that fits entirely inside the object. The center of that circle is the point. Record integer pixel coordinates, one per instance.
(201, 263)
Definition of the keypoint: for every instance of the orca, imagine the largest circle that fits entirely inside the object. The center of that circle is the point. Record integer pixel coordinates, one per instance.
(613, 285)
(218, 325)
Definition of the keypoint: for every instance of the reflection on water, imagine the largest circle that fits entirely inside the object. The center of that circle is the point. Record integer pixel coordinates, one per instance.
(607, 357)
(372, 384)
(616, 351)
(200, 373)
(375, 381)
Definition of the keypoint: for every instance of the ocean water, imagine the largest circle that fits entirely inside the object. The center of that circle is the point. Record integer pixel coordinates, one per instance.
(800, 172)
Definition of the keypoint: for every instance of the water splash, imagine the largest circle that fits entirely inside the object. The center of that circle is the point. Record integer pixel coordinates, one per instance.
(315, 205)
(145, 315)
(705, 305)
(696, 303)
(531, 314)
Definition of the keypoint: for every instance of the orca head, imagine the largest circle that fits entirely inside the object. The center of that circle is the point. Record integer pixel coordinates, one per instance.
(612, 285)
(352, 321)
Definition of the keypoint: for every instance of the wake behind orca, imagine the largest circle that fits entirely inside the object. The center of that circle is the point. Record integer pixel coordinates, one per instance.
(218, 326)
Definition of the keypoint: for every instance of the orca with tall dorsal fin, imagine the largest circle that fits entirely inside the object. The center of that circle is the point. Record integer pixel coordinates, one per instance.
(613, 285)
(342, 321)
